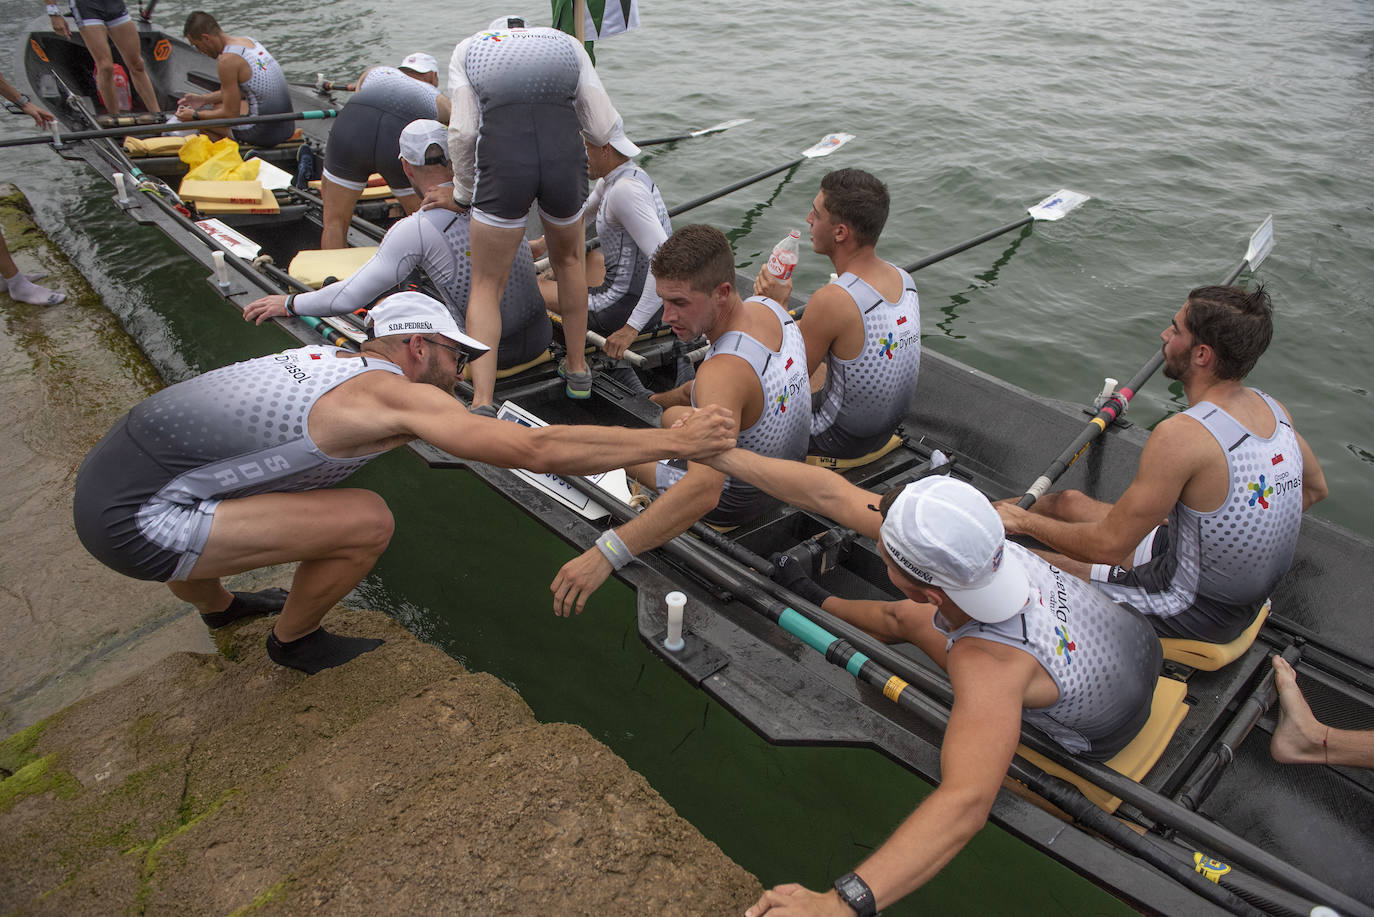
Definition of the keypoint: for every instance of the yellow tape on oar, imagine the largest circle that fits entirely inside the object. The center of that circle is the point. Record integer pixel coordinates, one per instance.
(893, 688)
(1212, 869)
(313, 266)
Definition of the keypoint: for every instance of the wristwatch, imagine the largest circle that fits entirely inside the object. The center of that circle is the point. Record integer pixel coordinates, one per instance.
(855, 892)
(52, 9)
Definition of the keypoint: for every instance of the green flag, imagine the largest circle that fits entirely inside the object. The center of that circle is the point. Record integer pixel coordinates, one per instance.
(604, 18)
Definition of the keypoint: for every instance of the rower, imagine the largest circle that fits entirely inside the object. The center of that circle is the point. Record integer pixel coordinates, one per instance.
(102, 23)
(1300, 738)
(863, 329)
(231, 470)
(631, 223)
(1021, 641)
(755, 368)
(1231, 474)
(251, 82)
(519, 97)
(363, 138)
(436, 242)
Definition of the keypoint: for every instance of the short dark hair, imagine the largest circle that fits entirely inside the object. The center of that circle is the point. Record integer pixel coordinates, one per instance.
(698, 254)
(858, 200)
(1236, 324)
(200, 23)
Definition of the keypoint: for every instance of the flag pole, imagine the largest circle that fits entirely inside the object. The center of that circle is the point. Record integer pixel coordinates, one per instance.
(579, 19)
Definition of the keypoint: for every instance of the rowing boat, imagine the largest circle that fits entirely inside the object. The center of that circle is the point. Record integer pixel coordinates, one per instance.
(1213, 792)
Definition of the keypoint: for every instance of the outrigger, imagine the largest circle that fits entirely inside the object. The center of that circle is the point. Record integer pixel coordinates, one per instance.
(1200, 819)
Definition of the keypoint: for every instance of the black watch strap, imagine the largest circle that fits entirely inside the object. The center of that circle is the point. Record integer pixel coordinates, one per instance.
(855, 892)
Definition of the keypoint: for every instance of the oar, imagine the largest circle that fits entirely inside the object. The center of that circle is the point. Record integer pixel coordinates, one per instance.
(139, 130)
(1261, 243)
(713, 129)
(1055, 207)
(852, 649)
(724, 573)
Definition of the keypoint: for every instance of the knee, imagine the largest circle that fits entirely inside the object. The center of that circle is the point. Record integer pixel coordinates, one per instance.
(373, 524)
(135, 66)
(1062, 503)
(104, 68)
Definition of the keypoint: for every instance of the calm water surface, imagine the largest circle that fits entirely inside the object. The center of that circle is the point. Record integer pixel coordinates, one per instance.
(1186, 125)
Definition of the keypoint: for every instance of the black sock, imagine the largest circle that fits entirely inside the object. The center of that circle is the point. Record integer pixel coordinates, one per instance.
(245, 604)
(317, 650)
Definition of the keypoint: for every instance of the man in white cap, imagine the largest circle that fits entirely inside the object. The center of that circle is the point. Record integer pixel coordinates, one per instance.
(363, 139)
(1022, 641)
(435, 242)
(521, 97)
(631, 223)
(231, 470)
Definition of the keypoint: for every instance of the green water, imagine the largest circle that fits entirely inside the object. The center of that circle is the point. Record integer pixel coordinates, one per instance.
(1187, 125)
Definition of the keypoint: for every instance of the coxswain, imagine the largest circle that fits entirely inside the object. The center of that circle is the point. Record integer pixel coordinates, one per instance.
(232, 470)
(1231, 474)
(250, 80)
(756, 367)
(863, 329)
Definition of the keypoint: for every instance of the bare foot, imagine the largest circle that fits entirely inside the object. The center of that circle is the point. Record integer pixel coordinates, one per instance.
(1298, 738)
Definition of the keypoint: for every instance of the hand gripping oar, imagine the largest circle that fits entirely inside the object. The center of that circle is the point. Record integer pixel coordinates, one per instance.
(865, 658)
(713, 129)
(1055, 207)
(1261, 243)
(138, 130)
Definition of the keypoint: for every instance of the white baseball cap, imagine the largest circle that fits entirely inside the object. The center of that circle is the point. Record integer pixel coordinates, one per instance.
(944, 533)
(617, 140)
(418, 136)
(415, 313)
(502, 23)
(420, 62)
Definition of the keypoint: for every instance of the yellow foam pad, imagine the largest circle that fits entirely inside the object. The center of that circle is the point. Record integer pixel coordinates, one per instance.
(1135, 760)
(839, 464)
(266, 203)
(1211, 656)
(371, 193)
(153, 146)
(312, 266)
(221, 192)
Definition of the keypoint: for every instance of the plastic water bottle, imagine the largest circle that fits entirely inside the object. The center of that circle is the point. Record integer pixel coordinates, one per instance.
(121, 83)
(783, 260)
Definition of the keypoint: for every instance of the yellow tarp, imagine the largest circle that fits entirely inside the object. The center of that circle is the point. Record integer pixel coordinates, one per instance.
(218, 161)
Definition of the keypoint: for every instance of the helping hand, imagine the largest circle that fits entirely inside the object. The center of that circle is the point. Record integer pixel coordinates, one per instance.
(442, 197)
(712, 429)
(792, 899)
(577, 580)
(59, 25)
(260, 310)
(41, 116)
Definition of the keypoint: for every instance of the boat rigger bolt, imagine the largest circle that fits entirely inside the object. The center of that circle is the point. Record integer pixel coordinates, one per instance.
(676, 602)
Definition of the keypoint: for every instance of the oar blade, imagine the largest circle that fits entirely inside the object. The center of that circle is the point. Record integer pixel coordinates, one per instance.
(722, 126)
(1261, 243)
(827, 145)
(1058, 205)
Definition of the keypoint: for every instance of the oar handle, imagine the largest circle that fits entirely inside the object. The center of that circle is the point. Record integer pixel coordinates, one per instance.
(629, 356)
(139, 130)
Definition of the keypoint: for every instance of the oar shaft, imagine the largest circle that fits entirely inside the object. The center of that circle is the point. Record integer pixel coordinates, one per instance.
(1109, 412)
(707, 198)
(139, 130)
(964, 246)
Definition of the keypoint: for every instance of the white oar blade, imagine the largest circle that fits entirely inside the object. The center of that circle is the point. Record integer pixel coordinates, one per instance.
(235, 242)
(827, 145)
(722, 126)
(1261, 243)
(1058, 205)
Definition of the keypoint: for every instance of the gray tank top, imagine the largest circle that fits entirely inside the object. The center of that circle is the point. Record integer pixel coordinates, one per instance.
(265, 90)
(1104, 657)
(865, 398)
(785, 423)
(626, 265)
(244, 429)
(388, 89)
(525, 66)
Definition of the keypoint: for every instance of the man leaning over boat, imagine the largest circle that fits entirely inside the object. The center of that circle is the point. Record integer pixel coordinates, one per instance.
(755, 368)
(230, 471)
(863, 329)
(435, 241)
(1020, 639)
(1231, 474)
(250, 82)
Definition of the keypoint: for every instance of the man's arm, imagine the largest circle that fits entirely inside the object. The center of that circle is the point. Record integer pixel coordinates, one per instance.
(633, 207)
(1172, 456)
(1314, 488)
(829, 312)
(464, 117)
(232, 71)
(593, 106)
(807, 486)
(984, 729)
